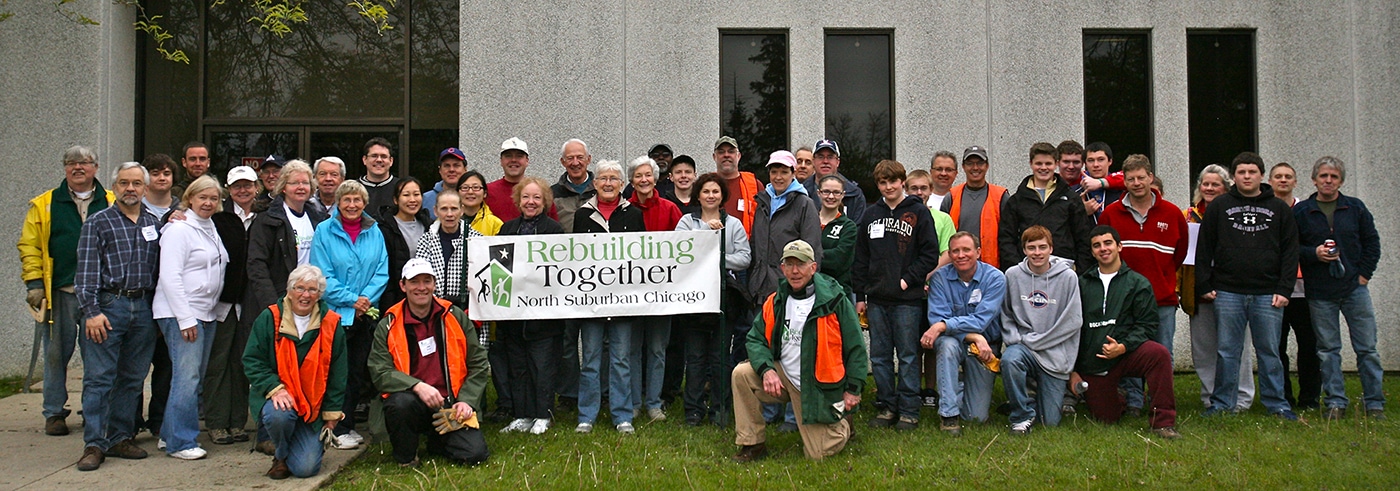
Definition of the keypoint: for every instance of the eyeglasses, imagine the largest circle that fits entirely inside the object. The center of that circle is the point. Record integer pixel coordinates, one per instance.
(79, 162)
(829, 192)
(301, 290)
(472, 188)
(608, 178)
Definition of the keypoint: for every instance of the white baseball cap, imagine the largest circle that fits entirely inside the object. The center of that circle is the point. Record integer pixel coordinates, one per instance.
(242, 173)
(515, 144)
(417, 266)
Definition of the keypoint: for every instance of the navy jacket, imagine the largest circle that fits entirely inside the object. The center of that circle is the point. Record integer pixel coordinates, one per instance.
(1353, 228)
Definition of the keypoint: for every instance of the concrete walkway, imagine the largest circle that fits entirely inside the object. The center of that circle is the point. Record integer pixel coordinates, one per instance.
(33, 460)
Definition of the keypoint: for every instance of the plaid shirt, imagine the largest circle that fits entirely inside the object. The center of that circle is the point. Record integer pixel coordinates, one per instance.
(114, 254)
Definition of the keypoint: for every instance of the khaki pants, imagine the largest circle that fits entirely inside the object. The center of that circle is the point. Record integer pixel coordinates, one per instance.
(818, 440)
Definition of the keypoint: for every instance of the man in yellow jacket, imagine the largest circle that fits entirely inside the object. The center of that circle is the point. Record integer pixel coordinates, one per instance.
(48, 254)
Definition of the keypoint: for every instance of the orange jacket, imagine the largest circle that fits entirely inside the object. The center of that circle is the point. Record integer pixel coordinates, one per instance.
(991, 217)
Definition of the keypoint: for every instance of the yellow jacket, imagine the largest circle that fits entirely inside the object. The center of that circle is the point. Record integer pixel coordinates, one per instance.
(34, 258)
(486, 223)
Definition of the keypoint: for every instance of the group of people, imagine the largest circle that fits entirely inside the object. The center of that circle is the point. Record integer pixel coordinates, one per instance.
(308, 296)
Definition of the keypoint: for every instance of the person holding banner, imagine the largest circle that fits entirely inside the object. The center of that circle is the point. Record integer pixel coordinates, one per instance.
(707, 336)
(606, 212)
(531, 347)
(650, 334)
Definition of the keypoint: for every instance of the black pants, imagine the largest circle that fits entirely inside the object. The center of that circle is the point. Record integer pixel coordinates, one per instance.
(532, 364)
(566, 382)
(160, 387)
(1298, 318)
(225, 385)
(406, 418)
(359, 340)
(707, 363)
(499, 358)
(675, 367)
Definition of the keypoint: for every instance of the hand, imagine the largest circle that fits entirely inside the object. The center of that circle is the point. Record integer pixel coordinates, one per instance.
(190, 334)
(35, 298)
(903, 285)
(1363, 280)
(932, 334)
(1091, 205)
(1112, 349)
(1324, 255)
(177, 215)
(282, 400)
(1209, 296)
(361, 306)
(1091, 184)
(1280, 301)
(852, 400)
(715, 224)
(428, 394)
(331, 424)
(984, 350)
(772, 384)
(464, 411)
(860, 307)
(1074, 380)
(97, 328)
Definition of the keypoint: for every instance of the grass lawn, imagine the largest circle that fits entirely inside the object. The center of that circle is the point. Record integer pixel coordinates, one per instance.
(10, 386)
(1246, 451)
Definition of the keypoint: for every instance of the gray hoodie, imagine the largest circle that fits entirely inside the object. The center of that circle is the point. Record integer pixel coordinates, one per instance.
(1043, 313)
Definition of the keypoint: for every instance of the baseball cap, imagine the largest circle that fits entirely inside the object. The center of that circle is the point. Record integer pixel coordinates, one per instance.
(514, 144)
(241, 173)
(457, 152)
(784, 158)
(726, 140)
(417, 266)
(683, 159)
(831, 144)
(274, 161)
(799, 249)
(975, 150)
(660, 146)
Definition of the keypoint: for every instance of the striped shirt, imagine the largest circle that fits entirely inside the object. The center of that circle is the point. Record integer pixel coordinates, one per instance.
(115, 253)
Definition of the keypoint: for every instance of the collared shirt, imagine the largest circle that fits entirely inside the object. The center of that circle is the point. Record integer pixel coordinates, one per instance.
(115, 253)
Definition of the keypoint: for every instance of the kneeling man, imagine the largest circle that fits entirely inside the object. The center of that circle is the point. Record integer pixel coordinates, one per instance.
(428, 362)
(1120, 320)
(1040, 322)
(964, 308)
(805, 347)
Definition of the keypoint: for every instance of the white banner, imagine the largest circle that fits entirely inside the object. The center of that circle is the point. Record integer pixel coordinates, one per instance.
(572, 276)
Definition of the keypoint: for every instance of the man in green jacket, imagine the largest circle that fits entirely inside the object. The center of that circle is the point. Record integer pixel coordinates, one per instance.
(805, 347)
(1120, 321)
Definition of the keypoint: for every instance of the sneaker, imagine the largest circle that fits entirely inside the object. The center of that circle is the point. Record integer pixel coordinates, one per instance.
(626, 428)
(1132, 412)
(951, 425)
(238, 434)
(1334, 413)
(1168, 432)
(160, 443)
(266, 447)
(540, 426)
(126, 449)
(521, 424)
(192, 453)
(1376, 414)
(359, 440)
(750, 453)
(279, 470)
(57, 426)
(656, 414)
(787, 427)
(906, 423)
(91, 460)
(220, 437)
(584, 428)
(885, 419)
(345, 442)
(1022, 428)
(1286, 414)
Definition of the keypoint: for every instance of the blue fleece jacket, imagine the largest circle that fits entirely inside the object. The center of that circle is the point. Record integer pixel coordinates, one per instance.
(973, 307)
(353, 270)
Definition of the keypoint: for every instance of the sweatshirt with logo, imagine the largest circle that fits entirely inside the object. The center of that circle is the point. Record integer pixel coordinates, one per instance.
(1127, 312)
(1042, 312)
(895, 244)
(1247, 245)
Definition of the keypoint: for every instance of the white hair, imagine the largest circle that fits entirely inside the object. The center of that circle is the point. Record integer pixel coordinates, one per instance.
(573, 140)
(308, 273)
(638, 163)
(145, 174)
(608, 166)
(79, 153)
(333, 160)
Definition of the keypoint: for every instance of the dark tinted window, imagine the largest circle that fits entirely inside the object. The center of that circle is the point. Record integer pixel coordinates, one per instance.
(1118, 92)
(170, 105)
(434, 99)
(753, 95)
(1220, 96)
(860, 102)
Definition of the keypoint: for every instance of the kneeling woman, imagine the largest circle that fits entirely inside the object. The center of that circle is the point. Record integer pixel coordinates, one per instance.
(296, 364)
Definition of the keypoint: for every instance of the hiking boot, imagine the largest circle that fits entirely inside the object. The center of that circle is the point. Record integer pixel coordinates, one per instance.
(266, 447)
(750, 453)
(1022, 428)
(951, 425)
(279, 470)
(127, 449)
(238, 434)
(885, 419)
(1168, 432)
(1334, 413)
(787, 427)
(91, 460)
(1376, 414)
(220, 437)
(58, 426)
(906, 423)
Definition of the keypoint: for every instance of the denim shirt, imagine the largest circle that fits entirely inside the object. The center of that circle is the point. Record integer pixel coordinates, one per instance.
(974, 307)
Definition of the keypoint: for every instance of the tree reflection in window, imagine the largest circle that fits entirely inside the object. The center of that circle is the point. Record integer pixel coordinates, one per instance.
(860, 103)
(754, 95)
(1118, 92)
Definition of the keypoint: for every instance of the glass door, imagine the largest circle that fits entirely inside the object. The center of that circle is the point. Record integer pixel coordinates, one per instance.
(230, 146)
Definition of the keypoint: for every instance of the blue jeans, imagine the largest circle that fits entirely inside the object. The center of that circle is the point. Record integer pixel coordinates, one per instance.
(970, 398)
(297, 441)
(59, 341)
(895, 329)
(115, 370)
(1361, 325)
(187, 360)
(1204, 344)
(1166, 333)
(618, 331)
(1018, 364)
(1233, 312)
(648, 354)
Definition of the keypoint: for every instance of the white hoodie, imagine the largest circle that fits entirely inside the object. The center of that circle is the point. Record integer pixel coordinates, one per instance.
(192, 264)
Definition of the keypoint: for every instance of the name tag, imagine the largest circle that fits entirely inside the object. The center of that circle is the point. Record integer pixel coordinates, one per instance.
(149, 232)
(740, 203)
(427, 346)
(975, 297)
(877, 230)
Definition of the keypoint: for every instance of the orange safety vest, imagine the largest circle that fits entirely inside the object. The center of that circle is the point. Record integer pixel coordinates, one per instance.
(749, 187)
(306, 382)
(991, 217)
(456, 344)
(830, 367)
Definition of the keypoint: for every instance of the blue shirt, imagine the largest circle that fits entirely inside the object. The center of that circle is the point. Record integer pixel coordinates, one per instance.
(972, 307)
(115, 253)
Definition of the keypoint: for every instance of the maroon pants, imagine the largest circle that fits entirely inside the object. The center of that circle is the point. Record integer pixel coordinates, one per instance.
(1153, 364)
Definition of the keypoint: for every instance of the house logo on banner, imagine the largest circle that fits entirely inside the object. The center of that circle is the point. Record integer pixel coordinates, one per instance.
(594, 275)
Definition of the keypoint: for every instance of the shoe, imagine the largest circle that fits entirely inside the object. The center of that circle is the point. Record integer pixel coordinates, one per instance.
(126, 449)
(694, 420)
(220, 437)
(92, 459)
(1376, 414)
(57, 426)
(787, 427)
(1132, 412)
(521, 424)
(361, 413)
(1334, 413)
(266, 447)
(1168, 432)
(1286, 414)
(501, 416)
(885, 419)
(279, 470)
(1215, 412)
(906, 423)
(160, 443)
(359, 440)
(345, 442)
(238, 434)
(584, 428)
(951, 425)
(626, 428)
(540, 426)
(750, 453)
(568, 404)
(192, 453)
(1022, 428)
(1067, 409)
(656, 414)
(412, 464)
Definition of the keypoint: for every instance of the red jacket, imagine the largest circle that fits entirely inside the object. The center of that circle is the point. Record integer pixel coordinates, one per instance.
(658, 214)
(1156, 248)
